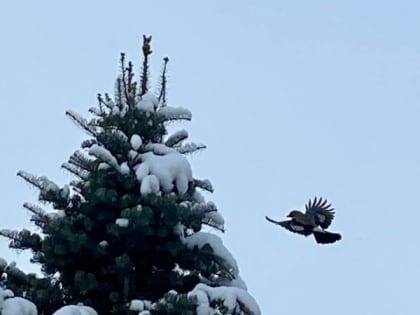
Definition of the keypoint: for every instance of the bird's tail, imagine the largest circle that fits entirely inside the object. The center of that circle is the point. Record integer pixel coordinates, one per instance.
(324, 237)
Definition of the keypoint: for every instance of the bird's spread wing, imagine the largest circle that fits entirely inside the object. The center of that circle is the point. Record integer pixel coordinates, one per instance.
(293, 226)
(321, 211)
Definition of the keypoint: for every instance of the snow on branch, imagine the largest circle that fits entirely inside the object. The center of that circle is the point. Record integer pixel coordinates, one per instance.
(214, 219)
(75, 310)
(39, 216)
(44, 184)
(204, 207)
(35, 209)
(175, 113)
(208, 210)
(104, 155)
(176, 138)
(190, 147)
(135, 142)
(120, 135)
(88, 143)
(204, 184)
(10, 234)
(11, 305)
(96, 111)
(108, 102)
(81, 122)
(169, 171)
(31, 179)
(159, 149)
(82, 161)
(147, 102)
(48, 190)
(82, 174)
(200, 239)
(236, 300)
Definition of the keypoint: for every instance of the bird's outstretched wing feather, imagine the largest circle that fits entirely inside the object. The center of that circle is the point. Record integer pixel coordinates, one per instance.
(292, 226)
(321, 210)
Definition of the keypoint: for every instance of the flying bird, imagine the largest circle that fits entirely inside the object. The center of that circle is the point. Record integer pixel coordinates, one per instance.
(317, 217)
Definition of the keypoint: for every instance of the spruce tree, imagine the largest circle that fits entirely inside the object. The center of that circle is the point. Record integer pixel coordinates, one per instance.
(127, 234)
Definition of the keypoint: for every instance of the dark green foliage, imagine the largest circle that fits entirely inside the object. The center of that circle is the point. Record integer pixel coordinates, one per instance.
(84, 254)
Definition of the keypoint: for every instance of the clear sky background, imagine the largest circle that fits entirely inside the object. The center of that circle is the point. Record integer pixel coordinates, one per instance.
(294, 99)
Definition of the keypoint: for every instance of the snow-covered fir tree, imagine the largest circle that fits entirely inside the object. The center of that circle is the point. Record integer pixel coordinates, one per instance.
(125, 237)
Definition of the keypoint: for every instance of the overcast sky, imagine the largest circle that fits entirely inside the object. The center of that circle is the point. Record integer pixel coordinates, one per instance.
(294, 99)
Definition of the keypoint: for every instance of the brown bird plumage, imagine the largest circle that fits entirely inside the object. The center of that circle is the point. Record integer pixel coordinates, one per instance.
(317, 217)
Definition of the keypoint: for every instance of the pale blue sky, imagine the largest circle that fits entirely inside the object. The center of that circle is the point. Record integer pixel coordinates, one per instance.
(293, 98)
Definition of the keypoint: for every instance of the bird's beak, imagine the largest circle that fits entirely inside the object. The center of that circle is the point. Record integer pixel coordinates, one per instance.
(289, 215)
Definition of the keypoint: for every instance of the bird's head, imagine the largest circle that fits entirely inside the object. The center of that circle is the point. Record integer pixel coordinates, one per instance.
(294, 214)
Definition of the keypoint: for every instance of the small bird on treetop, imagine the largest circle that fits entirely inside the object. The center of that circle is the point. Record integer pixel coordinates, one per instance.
(317, 217)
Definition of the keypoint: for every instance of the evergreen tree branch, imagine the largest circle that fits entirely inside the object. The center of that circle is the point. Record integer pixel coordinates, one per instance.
(37, 211)
(81, 122)
(190, 148)
(123, 78)
(88, 143)
(104, 155)
(163, 83)
(145, 68)
(82, 174)
(100, 103)
(10, 234)
(118, 93)
(176, 138)
(31, 179)
(80, 160)
(171, 113)
(204, 184)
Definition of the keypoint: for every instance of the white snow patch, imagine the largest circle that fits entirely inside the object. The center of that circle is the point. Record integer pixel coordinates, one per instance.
(124, 110)
(234, 299)
(3, 263)
(169, 169)
(59, 214)
(135, 142)
(203, 303)
(190, 147)
(237, 282)
(136, 305)
(75, 310)
(122, 222)
(11, 305)
(215, 218)
(47, 184)
(132, 154)
(176, 138)
(121, 135)
(149, 185)
(103, 166)
(103, 243)
(147, 102)
(115, 110)
(198, 197)
(159, 149)
(200, 239)
(105, 155)
(18, 306)
(175, 113)
(179, 230)
(125, 170)
(65, 192)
